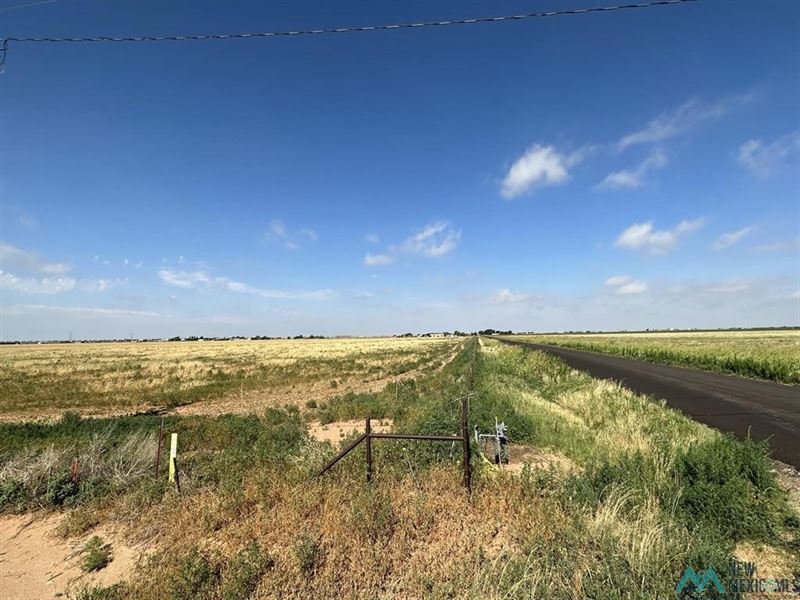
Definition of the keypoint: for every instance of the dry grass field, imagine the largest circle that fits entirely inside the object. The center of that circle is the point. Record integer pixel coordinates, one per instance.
(765, 354)
(44, 380)
(611, 495)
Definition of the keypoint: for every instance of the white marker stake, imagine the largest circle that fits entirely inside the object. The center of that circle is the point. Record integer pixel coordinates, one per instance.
(173, 454)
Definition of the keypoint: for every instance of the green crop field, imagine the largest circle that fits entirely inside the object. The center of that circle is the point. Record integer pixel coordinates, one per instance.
(610, 495)
(771, 355)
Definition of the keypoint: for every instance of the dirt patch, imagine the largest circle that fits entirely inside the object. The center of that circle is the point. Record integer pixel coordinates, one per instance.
(520, 455)
(36, 565)
(338, 430)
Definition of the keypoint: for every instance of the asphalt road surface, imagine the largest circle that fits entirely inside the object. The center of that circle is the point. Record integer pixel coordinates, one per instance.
(770, 411)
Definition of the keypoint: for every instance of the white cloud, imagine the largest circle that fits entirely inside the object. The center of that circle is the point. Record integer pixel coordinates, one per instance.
(726, 240)
(642, 236)
(634, 178)
(433, 240)
(686, 117)
(625, 285)
(278, 232)
(377, 260)
(13, 257)
(762, 159)
(539, 166)
(505, 296)
(184, 279)
(194, 279)
(372, 238)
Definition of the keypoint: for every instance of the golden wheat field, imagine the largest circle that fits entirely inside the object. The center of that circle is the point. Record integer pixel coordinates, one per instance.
(231, 376)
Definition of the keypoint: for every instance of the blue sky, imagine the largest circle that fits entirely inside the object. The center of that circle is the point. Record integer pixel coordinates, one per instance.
(625, 170)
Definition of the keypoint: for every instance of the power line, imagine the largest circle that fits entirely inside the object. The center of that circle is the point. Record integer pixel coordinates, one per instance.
(28, 5)
(265, 34)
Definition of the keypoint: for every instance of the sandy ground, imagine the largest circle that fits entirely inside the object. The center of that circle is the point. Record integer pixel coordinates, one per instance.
(36, 565)
(338, 430)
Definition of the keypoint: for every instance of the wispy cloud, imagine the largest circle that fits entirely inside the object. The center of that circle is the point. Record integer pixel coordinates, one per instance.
(23, 219)
(634, 178)
(782, 246)
(33, 285)
(378, 260)
(16, 258)
(277, 232)
(195, 279)
(309, 233)
(726, 240)
(764, 159)
(372, 238)
(434, 240)
(110, 312)
(643, 236)
(539, 166)
(55, 285)
(625, 285)
(686, 117)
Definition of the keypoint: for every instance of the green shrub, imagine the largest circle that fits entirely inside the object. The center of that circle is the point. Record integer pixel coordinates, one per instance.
(728, 485)
(114, 592)
(12, 495)
(195, 577)
(244, 571)
(96, 555)
(59, 489)
(308, 553)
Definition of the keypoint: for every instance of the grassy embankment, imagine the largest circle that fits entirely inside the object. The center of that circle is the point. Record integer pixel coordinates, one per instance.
(770, 355)
(648, 492)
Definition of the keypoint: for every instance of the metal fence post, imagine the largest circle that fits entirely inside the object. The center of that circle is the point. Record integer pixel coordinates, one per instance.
(369, 450)
(465, 441)
(158, 450)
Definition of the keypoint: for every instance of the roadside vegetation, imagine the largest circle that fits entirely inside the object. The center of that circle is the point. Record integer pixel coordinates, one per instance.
(772, 355)
(638, 493)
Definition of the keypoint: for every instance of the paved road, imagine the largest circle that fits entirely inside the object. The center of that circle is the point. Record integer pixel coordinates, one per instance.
(769, 410)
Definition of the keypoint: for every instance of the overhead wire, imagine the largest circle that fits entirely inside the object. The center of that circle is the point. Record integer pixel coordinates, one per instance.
(4, 42)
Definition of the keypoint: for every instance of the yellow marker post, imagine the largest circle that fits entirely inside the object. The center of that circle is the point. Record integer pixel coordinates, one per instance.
(173, 455)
